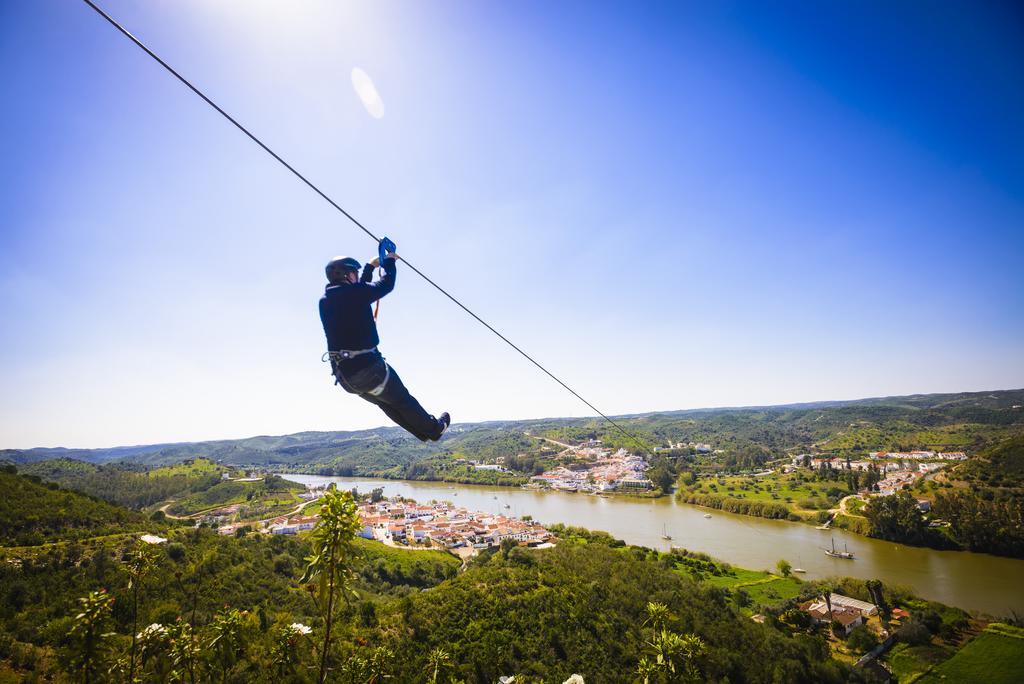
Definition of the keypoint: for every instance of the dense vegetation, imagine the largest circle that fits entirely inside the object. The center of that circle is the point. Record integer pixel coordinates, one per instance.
(576, 608)
(127, 484)
(581, 609)
(33, 512)
(235, 609)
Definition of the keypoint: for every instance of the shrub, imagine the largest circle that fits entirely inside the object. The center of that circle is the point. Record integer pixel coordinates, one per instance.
(862, 639)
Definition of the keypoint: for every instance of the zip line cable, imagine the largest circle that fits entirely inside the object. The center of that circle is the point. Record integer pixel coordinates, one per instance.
(351, 218)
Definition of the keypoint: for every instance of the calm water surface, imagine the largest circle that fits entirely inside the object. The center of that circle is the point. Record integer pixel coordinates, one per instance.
(969, 580)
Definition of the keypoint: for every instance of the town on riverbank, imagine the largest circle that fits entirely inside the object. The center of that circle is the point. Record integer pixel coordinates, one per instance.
(400, 522)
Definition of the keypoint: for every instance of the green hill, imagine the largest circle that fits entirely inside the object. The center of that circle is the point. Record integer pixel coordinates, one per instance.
(32, 512)
(579, 607)
(127, 484)
(265, 497)
(966, 421)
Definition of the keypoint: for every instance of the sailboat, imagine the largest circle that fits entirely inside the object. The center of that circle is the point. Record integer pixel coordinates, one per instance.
(845, 553)
(664, 533)
(800, 570)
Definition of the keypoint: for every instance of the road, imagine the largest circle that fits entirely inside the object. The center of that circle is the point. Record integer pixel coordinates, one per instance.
(567, 447)
(842, 507)
(198, 514)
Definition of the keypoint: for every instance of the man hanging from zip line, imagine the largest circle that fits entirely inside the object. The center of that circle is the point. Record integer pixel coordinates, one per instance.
(352, 342)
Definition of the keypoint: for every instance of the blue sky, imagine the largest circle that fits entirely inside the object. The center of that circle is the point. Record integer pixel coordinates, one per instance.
(670, 206)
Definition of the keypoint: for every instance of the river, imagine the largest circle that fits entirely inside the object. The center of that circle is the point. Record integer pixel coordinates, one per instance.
(973, 581)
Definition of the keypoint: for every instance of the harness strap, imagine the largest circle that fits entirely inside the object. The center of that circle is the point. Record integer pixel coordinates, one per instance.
(343, 354)
(376, 304)
(380, 388)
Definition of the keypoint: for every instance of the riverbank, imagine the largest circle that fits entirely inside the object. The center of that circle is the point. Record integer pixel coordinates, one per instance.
(977, 582)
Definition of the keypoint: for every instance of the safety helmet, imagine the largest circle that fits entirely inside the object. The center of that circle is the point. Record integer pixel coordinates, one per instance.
(338, 266)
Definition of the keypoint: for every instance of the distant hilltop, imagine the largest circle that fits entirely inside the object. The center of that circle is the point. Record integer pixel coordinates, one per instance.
(921, 421)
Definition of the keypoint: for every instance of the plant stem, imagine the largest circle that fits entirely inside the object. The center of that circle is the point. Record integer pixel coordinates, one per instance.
(330, 610)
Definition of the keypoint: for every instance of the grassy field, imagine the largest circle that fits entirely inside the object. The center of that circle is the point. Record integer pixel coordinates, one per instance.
(895, 435)
(908, 662)
(404, 557)
(856, 524)
(797, 491)
(193, 468)
(763, 588)
(278, 495)
(996, 656)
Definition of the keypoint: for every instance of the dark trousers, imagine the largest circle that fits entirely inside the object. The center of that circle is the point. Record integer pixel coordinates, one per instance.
(378, 383)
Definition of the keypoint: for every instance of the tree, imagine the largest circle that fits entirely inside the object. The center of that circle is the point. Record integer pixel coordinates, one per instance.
(861, 639)
(438, 660)
(330, 563)
(88, 631)
(896, 518)
(285, 655)
(875, 588)
(227, 640)
(141, 561)
(784, 567)
(674, 655)
(184, 649)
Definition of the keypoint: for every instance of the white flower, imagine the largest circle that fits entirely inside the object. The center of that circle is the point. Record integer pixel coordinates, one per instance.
(154, 630)
(301, 628)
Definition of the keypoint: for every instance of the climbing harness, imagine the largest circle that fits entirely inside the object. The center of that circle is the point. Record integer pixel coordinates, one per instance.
(336, 357)
(344, 354)
(379, 241)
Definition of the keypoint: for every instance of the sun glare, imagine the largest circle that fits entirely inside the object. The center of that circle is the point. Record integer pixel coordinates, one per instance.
(367, 92)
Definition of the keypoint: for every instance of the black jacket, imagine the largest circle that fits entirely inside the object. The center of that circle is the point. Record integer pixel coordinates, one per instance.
(346, 313)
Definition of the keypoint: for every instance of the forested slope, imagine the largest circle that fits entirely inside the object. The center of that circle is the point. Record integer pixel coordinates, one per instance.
(32, 512)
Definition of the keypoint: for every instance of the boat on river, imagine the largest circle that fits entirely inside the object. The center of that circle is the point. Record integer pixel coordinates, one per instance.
(707, 515)
(664, 533)
(845, 553)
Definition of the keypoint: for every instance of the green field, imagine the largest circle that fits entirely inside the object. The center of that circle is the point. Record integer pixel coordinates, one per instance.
(763, 588)
(908, 662)
(405, 558)
(268, 497)
(996, 656)
(190, 468)
(797, 491)
(898, 434)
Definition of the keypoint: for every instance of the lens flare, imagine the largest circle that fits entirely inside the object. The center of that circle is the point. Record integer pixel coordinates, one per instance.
(367, 92)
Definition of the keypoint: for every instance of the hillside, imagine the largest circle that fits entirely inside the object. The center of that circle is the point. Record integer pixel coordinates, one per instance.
(965, 421)
(541, 614)
(574, 608)
(133, 485)
(263, 498)
(34, 513)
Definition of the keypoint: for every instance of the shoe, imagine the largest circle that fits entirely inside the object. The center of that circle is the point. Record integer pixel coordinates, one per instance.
(444, 421)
